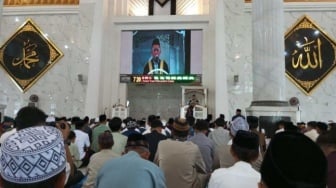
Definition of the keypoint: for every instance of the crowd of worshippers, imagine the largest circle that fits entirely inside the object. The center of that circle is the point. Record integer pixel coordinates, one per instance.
(48, 152)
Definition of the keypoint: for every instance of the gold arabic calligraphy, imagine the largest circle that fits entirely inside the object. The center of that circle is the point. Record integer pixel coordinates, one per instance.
(315, 54)
(29, 56)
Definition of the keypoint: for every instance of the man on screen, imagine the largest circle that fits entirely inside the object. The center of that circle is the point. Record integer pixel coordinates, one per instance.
(156, 65)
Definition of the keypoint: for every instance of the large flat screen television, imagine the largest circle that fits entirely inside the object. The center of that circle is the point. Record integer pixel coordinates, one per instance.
(150, 56)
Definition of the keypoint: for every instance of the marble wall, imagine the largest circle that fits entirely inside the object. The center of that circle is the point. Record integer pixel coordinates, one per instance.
(238, 56)
(61, 93)
(158, 99)
(59, 90)
(320, 105)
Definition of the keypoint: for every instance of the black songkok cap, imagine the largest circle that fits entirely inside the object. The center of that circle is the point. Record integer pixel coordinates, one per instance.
(247, 140)
(293, 160)
(135, 140)
(156, 123)
(220, 122)
(252, 119)
(156, 41)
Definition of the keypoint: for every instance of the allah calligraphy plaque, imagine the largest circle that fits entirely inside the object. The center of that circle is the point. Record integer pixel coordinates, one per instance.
(27, 55)
(309, 54)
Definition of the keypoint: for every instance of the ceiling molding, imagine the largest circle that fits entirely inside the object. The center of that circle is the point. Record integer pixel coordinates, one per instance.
(87, 1)
(16, 3)
(298, 7)
(161, 22)
(38, 10)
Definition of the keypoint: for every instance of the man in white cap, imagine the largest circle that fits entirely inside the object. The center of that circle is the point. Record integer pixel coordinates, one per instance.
(33, 157)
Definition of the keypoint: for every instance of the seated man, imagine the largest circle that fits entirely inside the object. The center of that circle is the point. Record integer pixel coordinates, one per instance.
(181, 160)
(33, 157)
(327, 143)
(132, 169)
(131, 128)
(293, 160)
(220, 135)
(100, 128)
(83, 143)
(245, 150)
(105, 141)
(29, 116)
(205, 144)
(118, 138)
(154, 137)
(223, 156)
(253, 122)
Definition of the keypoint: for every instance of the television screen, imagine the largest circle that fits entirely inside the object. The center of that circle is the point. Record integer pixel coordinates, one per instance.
(161, 56)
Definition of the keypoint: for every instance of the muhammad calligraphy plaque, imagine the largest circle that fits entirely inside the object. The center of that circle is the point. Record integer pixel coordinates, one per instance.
(309, 54)
(27, 55)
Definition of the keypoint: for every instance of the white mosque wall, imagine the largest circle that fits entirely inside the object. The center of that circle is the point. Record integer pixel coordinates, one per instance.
(227, 64)
(320, 104)
(59, 90)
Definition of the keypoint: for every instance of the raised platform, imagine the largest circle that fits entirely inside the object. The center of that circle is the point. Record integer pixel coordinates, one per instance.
(270, 112)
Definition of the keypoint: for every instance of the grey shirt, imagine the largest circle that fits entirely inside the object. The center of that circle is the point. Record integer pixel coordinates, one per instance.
(207, 148)
(220, 136)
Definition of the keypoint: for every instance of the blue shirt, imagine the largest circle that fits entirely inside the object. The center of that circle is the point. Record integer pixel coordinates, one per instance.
(130, 171)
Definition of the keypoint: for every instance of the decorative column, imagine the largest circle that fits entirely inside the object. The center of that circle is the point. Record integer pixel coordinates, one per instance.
(268, 50)
(93, 104)
(221, 91)
(268, 60)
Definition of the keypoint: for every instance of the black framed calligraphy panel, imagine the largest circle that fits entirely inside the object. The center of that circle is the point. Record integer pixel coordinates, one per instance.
(309, 54)
(27, 55)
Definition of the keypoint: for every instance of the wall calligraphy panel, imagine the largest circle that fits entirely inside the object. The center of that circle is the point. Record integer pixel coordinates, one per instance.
(309, 54)
(27, 55)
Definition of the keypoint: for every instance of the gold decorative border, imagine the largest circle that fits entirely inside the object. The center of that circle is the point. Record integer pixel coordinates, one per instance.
(55, 55)
(39, 2)
(308, 84)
